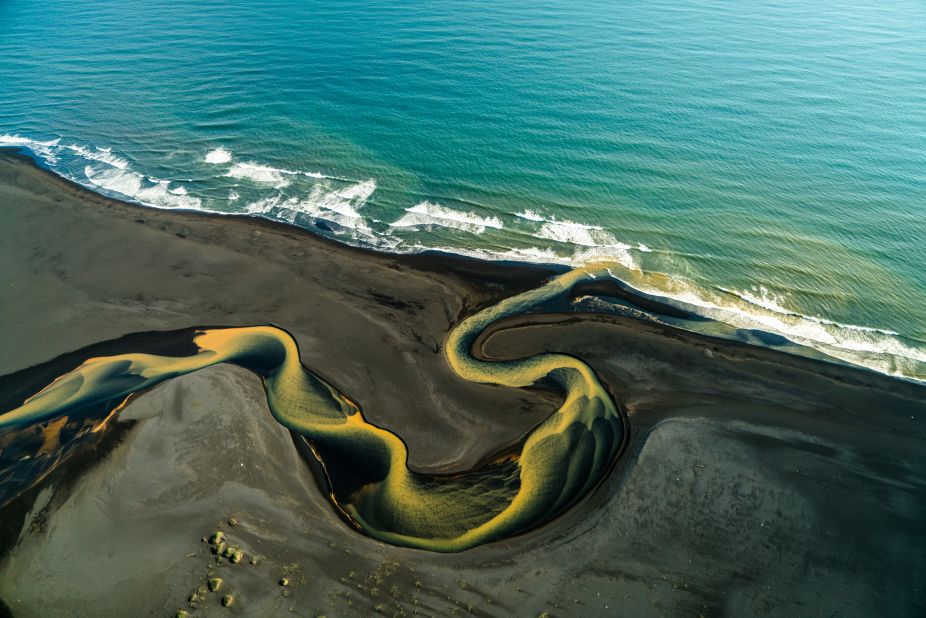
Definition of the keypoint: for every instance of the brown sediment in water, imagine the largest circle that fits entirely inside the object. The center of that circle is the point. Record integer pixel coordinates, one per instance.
(746, 469)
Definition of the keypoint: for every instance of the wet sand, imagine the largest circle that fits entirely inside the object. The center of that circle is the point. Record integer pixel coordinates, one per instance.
(753, 482)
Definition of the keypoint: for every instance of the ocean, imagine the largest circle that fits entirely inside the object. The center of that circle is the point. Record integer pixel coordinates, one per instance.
(763, 164)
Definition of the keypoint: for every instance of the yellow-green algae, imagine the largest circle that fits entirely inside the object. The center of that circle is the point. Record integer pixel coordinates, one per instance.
(561, 460)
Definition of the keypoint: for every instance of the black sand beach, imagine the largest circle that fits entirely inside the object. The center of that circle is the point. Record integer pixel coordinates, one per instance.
(752, 483)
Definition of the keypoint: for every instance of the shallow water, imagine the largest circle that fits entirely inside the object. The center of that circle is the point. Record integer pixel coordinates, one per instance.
(769, 158)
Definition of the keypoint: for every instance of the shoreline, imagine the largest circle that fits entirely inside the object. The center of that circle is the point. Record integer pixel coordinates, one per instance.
(517, 274)
(765, 463)
(467, 264)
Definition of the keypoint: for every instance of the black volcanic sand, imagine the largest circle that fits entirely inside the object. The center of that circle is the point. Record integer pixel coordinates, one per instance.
(753, 483)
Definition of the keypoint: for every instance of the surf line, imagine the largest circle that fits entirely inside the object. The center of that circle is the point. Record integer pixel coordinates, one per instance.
(559, 462)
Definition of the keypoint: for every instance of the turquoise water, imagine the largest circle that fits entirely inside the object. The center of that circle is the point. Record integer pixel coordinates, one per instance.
(769, 158)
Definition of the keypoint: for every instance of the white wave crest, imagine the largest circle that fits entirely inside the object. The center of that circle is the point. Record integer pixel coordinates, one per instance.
(428, 214)
(261, 173)
(106, 155)
(618, 252)
(338, 206)
(152, 192)
(573, 244)
(530, 215)
(875, 348)
(533, 255)
(45, 149)
(50, 149)
(348, 200)
(103, 155)
(276, 176)
(576, 234)
(594, 242)
(264, 205)
(760, 296)
(18, 140)
(218, 156)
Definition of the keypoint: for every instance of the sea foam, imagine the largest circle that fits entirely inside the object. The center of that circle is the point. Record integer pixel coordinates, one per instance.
(428, 214)
(880, 349)
(338, 202)
(591, 243)
(261, 173)
(571, 232)
(44, 149)
(338, 207)
(153, 192)
(103, 155)
(530, 215)
(576, 234)
(218, 156)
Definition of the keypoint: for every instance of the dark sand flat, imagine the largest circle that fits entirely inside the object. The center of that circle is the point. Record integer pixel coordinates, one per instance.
(753, 482)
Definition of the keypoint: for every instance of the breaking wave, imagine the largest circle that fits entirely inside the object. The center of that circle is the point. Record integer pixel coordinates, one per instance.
(103, 155)
(152, 191)
(43, 149)
(429, 215)
(883, 350)
(261, 173)
(335, 206)
(762, 297)
(336, 209)
(218, 156)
